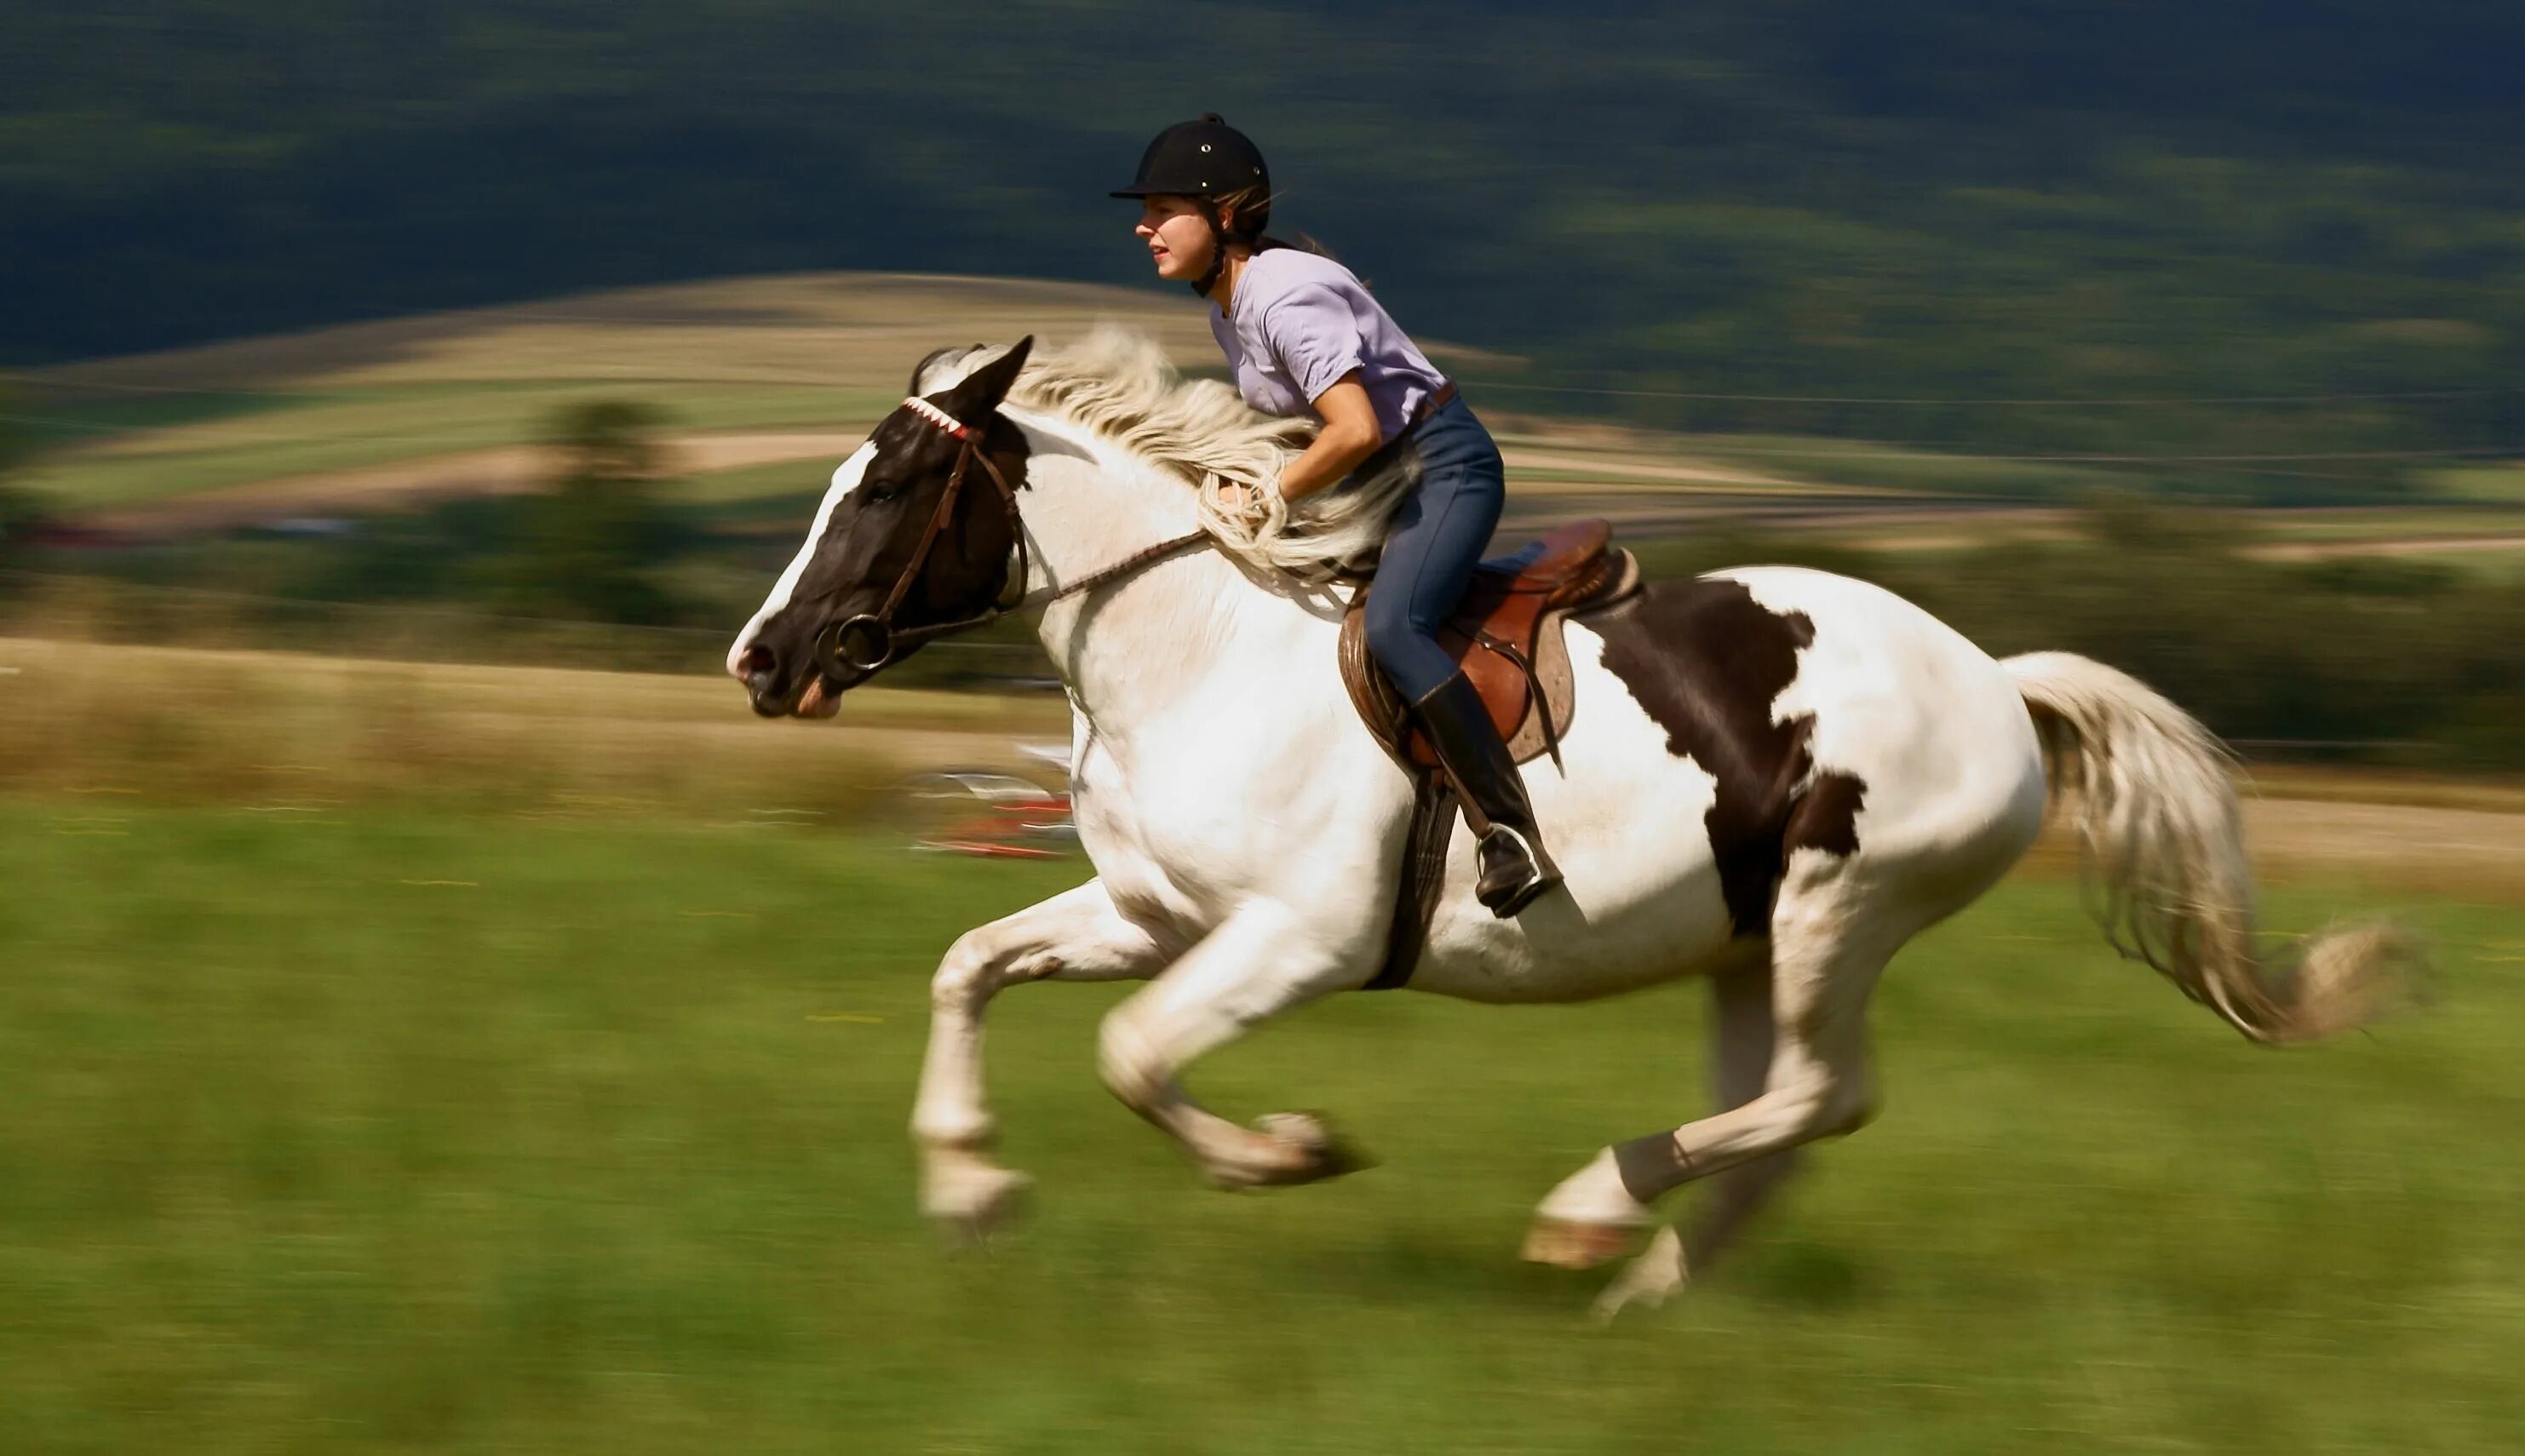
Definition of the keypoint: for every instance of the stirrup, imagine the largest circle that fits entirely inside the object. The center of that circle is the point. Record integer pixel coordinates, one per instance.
(1504, 897)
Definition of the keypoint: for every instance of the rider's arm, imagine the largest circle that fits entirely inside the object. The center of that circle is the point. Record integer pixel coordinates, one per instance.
(1350, 435)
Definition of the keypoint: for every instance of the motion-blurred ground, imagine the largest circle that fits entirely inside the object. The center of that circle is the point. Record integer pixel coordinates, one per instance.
(449, 1058)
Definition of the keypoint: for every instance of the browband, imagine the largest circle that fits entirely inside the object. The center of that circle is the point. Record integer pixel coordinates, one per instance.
(937, 417)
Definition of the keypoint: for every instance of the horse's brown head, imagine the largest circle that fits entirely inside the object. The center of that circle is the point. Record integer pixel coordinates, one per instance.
(918, 545)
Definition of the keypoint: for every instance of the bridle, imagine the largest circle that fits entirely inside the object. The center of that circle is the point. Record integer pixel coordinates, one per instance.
(869, 641)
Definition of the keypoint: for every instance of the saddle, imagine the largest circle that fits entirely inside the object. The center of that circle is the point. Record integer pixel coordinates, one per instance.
(1506, 637)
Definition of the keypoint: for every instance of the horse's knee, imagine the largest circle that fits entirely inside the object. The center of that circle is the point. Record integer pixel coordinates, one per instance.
(964, 976)
(1131, 1066)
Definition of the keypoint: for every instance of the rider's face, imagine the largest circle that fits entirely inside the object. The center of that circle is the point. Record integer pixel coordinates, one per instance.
(1179, 238)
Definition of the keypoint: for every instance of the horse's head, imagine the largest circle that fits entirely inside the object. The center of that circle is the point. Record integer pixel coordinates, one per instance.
(913, 541)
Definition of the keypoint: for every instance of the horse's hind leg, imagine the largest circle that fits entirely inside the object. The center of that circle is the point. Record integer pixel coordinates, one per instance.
(1825, 964)
(1076, 936)
(1743, 1035)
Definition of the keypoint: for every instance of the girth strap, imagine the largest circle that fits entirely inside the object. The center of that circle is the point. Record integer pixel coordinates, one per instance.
(1425, 873)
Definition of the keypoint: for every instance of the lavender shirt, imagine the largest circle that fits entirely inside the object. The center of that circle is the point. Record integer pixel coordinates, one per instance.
(1299, 321)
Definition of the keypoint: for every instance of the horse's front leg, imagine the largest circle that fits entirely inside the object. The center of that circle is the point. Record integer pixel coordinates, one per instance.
(1264, 959)
(1074, 936)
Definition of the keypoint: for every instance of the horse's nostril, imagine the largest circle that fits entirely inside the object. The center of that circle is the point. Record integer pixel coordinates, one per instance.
(754, 661)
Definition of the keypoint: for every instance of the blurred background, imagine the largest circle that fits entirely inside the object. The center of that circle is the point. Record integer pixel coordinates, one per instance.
(435, 1015)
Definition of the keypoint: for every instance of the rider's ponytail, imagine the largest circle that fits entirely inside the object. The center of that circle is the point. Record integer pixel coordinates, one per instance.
(1255, 203)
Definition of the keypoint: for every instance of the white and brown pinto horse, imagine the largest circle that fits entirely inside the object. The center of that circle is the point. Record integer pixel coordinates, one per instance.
(1773, 779)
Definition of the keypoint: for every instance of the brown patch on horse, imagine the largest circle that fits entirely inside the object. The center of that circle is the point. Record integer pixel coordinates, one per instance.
(1826, 818)
(1706, 662)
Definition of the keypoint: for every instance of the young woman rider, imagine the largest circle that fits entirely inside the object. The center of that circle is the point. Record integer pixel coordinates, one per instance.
(1301, 335)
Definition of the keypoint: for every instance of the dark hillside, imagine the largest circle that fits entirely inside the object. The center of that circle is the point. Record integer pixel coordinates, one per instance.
(1962, 200)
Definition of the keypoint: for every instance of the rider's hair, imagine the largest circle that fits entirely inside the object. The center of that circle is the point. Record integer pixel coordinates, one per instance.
(1238, 203)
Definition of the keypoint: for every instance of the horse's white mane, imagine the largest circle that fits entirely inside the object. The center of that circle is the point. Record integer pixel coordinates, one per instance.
(1118, 383)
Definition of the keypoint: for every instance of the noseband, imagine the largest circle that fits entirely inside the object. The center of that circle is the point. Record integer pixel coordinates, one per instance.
(869, 641)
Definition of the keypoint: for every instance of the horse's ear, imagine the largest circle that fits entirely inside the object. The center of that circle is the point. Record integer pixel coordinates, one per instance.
(975, 397)
(920, 370)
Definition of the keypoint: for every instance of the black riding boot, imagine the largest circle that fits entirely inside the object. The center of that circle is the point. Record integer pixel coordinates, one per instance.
(1514, 868)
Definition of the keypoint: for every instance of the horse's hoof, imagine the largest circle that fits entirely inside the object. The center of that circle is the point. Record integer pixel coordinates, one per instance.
(1657, 1275)
(972, 1204)
(1324, 1154)
(1567, 1244)
(1302, 1150)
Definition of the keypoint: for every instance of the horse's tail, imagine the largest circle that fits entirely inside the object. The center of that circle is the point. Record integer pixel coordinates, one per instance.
(2163, 857)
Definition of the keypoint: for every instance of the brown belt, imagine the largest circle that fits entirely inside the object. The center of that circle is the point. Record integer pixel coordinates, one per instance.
(1384, 454)
(1445, 396)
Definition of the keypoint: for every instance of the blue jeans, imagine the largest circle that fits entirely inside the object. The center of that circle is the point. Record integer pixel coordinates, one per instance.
(1433, 545)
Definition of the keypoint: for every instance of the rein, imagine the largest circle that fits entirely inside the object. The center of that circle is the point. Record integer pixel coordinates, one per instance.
(869, 641)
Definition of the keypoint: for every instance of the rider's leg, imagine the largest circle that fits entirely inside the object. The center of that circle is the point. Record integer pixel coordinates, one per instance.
(1430, 551)
(1514, 869)
(1074, 936)
(1264, 959)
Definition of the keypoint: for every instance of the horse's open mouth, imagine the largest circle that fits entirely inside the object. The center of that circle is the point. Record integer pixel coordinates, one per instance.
(817, 700)
(815, 696)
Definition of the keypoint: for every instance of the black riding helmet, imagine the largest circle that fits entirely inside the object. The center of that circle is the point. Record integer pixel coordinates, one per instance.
(1206, 159)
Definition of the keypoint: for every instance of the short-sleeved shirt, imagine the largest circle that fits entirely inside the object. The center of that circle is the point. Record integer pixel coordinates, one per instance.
(1299, 321)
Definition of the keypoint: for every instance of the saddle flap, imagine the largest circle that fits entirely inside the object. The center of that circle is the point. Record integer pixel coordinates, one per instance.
(1506, 638)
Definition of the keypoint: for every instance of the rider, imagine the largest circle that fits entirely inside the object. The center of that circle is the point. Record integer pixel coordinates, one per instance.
(1303, 335)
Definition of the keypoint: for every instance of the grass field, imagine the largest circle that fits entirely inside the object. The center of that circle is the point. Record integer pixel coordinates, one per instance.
(345, 434)
(371, 1130)
(290, 732)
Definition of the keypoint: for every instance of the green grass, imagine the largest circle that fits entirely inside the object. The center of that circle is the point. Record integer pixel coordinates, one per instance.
(76, 424)
(352, 429)
(2386, 524)
(367, 1131)
(2503, 484)
(1862, 463)
(798, 484)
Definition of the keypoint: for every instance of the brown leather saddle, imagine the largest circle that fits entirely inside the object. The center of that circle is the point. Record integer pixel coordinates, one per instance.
(1507, 635)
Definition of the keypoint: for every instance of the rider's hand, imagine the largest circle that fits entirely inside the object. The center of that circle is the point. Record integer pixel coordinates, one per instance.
(1234, 498)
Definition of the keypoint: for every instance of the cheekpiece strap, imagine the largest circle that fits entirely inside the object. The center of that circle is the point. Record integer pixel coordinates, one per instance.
(937, 417)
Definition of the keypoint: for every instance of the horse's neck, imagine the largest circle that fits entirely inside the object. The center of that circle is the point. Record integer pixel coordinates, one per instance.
(1133, 647)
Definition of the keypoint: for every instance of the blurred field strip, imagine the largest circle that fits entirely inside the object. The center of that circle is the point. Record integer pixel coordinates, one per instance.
(286, 729)
(290, 729)
(701, 461)
(304, 414)
(768, 381)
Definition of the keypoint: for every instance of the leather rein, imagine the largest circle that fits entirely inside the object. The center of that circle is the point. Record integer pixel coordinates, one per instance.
(869, 641)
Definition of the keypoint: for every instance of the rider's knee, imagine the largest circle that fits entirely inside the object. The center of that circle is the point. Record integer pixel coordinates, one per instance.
(1390, 628)
(1404, 649)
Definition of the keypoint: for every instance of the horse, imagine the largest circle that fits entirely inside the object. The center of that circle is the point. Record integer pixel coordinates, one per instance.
(1773, 778)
